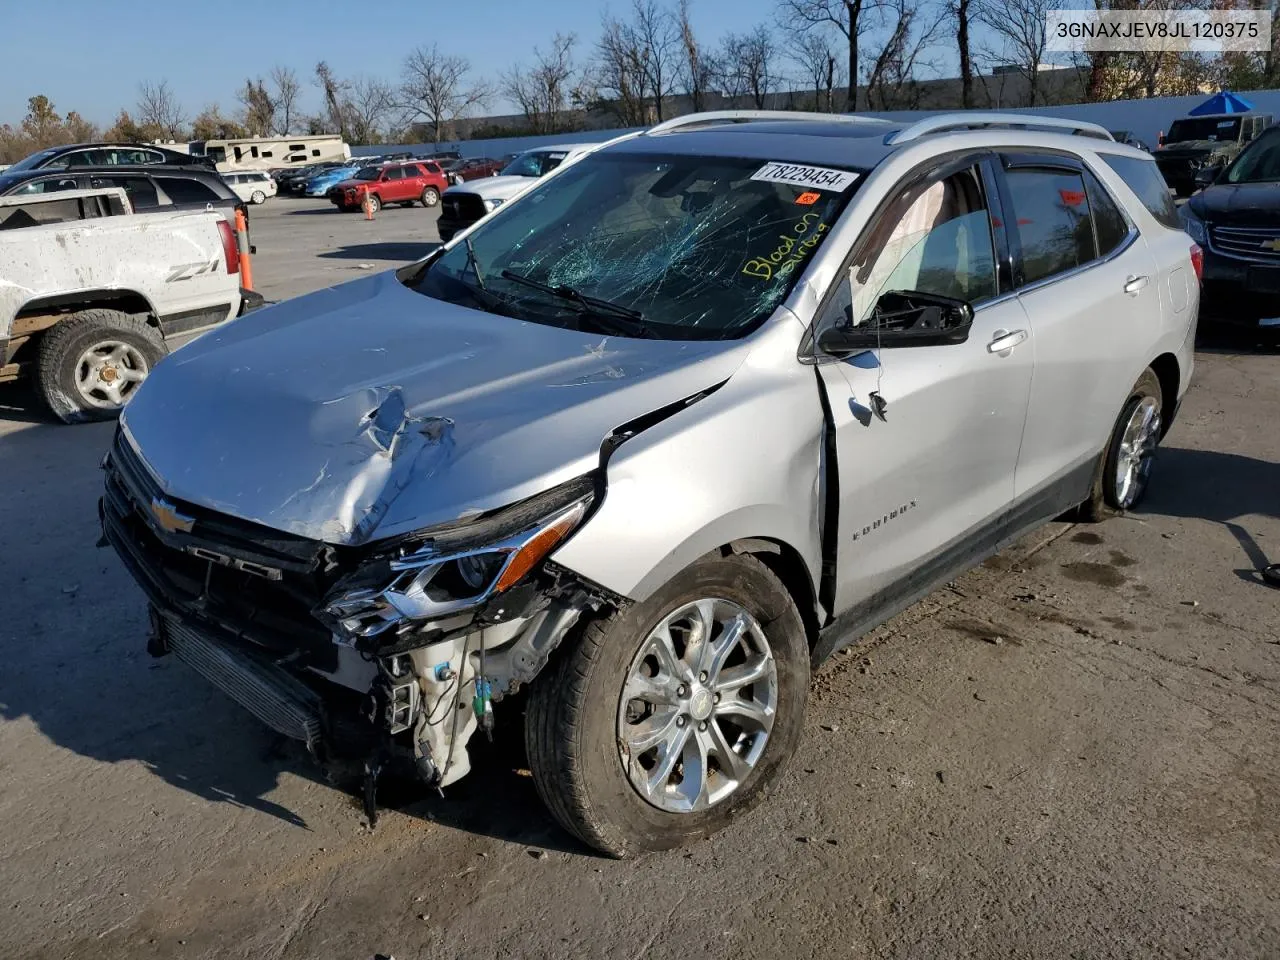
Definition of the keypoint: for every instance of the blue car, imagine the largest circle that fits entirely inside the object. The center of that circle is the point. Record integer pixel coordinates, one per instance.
(318, 185)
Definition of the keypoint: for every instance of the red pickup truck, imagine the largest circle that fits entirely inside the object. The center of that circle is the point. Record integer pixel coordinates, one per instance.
(419, 181)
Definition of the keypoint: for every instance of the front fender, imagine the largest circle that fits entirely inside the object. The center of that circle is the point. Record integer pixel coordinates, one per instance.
(744, 462)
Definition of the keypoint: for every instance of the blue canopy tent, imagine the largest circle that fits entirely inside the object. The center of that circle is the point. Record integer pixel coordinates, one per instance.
(1220, 103)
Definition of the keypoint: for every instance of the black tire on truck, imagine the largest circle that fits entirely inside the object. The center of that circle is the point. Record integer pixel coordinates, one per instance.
(89, 364)
(591, 714)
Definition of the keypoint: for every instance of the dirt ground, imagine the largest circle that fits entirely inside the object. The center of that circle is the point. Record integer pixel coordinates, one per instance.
(1071, 752)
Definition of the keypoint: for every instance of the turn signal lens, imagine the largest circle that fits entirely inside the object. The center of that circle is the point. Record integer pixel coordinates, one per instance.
(541, 544)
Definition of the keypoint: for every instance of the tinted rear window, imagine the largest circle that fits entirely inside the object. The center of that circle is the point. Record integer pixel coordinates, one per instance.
(181, 190)
(1143, 177)
(1053, 222)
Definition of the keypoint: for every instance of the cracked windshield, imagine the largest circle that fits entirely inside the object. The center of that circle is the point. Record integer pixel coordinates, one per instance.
(698, 248)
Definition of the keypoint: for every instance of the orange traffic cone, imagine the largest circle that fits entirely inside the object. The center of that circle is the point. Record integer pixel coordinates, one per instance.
(367, 203)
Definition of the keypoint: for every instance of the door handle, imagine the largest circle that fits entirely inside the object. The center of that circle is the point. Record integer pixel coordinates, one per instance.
(1134, 284)
(1005, 341)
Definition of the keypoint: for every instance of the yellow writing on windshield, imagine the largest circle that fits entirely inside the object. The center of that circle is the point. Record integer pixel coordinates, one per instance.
(791, 250)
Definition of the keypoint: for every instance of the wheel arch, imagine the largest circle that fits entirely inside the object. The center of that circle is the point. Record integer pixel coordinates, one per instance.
(785, 562)
(1168, 372)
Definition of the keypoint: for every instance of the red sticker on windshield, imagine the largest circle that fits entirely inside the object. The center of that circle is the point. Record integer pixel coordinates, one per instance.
(1072, 198)
(807, 198)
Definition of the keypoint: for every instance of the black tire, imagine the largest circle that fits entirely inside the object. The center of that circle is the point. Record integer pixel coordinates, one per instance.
(258, 197)
(62, 346)
(430, 197)
(1103, 499)
(570, 729)
(375, 202)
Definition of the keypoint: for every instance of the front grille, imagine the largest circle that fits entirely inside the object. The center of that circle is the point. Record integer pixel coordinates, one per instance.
(239, 579)
(1259, 244)
(272, 694)
(465, 208)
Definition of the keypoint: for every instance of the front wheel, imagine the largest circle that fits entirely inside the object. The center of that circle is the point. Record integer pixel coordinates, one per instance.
(375, 204)
(669, 719)
(430, 197)
(1125, 470)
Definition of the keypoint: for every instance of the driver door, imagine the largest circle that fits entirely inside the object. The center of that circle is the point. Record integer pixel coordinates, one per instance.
(926, 478)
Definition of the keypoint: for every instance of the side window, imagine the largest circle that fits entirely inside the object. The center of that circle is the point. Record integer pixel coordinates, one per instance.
(140, 190)
(394, 173)
(1053, 223)
(181, 190)
(46, 186)
(1109, 224)
(1143, 177)
(936, 239)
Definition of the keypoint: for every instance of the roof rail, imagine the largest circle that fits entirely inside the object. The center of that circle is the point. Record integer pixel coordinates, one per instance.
(961, 121)
(757, 116)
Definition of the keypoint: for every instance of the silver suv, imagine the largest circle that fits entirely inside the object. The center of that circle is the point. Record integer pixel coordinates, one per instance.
(652, 441)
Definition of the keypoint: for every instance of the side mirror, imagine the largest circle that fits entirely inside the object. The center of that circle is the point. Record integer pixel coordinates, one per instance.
(1206, 176)
(902, 319)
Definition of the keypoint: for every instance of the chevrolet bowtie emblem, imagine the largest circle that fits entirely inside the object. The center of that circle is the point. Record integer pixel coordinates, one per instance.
(170, 520)
(1272, 245)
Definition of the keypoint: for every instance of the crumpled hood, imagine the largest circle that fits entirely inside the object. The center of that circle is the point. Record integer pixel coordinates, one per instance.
(1239, 204)
(369, 410)
(493, 188)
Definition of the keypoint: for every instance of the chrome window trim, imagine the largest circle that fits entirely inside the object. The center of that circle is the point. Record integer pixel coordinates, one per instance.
(1129, 240)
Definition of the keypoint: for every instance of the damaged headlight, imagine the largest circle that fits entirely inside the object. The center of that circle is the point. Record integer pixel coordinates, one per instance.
(453, 569)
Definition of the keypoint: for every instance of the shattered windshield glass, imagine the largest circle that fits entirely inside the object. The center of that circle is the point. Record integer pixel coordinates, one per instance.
(368, 173)
(670, 246)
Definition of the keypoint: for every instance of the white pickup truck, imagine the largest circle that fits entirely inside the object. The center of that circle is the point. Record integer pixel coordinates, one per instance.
(92, 294)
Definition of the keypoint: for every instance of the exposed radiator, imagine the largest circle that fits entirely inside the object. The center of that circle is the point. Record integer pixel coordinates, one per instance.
(270, 693)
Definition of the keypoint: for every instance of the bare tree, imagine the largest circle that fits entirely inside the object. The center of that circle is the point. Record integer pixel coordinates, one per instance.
(434, 88)
(287, 91)
(749, 65)
(961, 14)
(1019, 28)
(159, 110)
(259, 108)
(619, 75)
(637, 61)
(698, 67)
(852, 18)
(811, 53)
(368, 107)
(544, 91)
(334, 92)
(893, 82)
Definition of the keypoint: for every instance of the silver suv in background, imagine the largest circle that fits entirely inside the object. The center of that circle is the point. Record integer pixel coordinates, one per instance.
(652, 441)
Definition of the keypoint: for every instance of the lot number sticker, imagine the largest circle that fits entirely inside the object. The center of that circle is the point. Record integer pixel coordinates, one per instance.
(798, 175)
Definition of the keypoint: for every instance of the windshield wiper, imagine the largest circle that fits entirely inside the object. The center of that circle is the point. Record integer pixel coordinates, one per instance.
(621, 319)
(475, 265)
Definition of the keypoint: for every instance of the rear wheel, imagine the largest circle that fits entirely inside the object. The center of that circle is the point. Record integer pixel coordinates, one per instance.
(430, 197)
(669, 719)
(258, 197)
(89, 365)
(1125, 470)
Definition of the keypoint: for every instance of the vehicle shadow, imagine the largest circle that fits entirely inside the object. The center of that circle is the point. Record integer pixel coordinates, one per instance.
(74, 630)
(390, 250)
(19, 404)
(1222, 487)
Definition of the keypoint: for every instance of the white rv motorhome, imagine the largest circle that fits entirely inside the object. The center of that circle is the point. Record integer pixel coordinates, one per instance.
(269, 153)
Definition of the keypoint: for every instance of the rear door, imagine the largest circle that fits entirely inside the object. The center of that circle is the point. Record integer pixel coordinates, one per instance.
(1090, 289)
(926, 438)
(139, 188)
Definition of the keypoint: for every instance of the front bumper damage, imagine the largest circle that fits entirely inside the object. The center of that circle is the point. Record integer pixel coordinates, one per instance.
(249, 609)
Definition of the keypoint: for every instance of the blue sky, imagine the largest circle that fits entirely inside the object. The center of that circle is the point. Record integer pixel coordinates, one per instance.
(206, 50)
